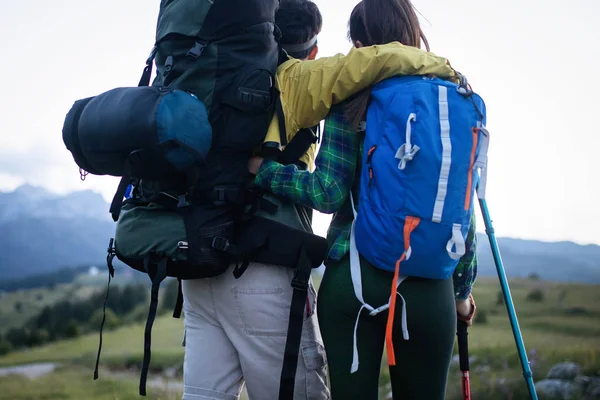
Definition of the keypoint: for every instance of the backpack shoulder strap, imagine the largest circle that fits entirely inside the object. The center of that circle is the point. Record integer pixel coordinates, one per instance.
(299, 145)
(281, 120)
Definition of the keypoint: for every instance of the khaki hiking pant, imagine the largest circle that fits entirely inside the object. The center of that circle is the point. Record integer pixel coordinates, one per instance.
(235, 333)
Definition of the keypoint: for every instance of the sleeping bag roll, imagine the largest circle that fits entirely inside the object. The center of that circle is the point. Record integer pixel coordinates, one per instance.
(154, 131)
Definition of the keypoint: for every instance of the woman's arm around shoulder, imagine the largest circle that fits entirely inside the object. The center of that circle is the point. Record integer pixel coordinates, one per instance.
(325, 189)
(309, 88)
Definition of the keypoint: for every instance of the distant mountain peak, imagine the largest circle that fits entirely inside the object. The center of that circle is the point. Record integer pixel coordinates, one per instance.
(29, 201)
(87, 194)
(37, 193)
(50, 230)
(32, 191)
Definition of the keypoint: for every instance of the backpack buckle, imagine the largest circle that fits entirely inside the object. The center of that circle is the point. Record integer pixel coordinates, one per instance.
(463, 87)
(195, 52)
(168, 66)
(220, 243)
(183, 202)
(300, 279)
(111, 253)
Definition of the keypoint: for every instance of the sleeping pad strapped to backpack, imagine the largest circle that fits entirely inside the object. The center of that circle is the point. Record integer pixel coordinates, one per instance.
(183, 144)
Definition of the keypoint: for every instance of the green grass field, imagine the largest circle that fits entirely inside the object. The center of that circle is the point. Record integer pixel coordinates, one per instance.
(555, 329)
(74, 383)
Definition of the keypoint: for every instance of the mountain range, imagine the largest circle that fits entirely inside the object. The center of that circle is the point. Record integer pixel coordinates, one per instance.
(41, 232)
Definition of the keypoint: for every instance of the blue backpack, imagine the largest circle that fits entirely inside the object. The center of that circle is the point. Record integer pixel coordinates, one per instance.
(425, 142)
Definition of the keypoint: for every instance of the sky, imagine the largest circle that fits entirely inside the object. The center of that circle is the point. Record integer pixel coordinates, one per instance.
(533, 61)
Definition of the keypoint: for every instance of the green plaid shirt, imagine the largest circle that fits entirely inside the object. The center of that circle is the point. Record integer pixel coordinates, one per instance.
(327, 190)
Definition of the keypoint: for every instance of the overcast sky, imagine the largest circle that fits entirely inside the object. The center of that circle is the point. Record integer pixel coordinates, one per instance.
(534, 62)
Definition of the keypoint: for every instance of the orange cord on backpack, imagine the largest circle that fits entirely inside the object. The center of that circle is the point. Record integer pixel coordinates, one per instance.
(409, 225)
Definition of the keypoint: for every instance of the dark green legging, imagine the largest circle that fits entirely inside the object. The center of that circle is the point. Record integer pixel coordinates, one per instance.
(422, 362)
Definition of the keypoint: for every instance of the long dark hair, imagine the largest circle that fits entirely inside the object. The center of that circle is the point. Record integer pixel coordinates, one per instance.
(380, 22)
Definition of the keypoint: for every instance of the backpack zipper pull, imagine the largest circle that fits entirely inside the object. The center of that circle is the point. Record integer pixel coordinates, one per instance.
(168, 66)
(369, 158)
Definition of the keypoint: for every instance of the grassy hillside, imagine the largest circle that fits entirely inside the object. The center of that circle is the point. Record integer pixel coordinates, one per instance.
(18, 307)
(120, 348)
(564, 325)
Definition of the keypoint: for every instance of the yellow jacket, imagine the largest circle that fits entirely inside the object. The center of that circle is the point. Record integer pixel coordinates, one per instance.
(309, 88)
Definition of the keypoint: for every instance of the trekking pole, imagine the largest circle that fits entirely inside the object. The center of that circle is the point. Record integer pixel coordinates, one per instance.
(489, 230)
(463, 358)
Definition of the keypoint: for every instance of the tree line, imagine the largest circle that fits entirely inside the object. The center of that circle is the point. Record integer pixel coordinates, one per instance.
(70, 318)
(47, 280)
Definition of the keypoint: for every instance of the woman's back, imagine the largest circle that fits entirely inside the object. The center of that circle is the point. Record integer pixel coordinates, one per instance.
(420, 331)
(352, 330)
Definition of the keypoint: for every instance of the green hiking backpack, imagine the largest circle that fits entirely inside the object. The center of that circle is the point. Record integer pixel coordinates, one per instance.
(186, 207)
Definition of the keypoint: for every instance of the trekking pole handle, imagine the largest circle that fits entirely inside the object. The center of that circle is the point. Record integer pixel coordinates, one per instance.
(463, 357)
(463, 345)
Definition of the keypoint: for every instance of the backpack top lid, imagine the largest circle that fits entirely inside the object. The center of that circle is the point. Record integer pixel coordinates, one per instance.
(212, 19)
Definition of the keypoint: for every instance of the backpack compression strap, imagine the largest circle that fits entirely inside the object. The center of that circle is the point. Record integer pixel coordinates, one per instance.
(296, 320)
(111, 274)
(157, 277)
(115, 205)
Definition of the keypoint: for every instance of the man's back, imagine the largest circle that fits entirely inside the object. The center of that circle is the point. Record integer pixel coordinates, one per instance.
(237, 325)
